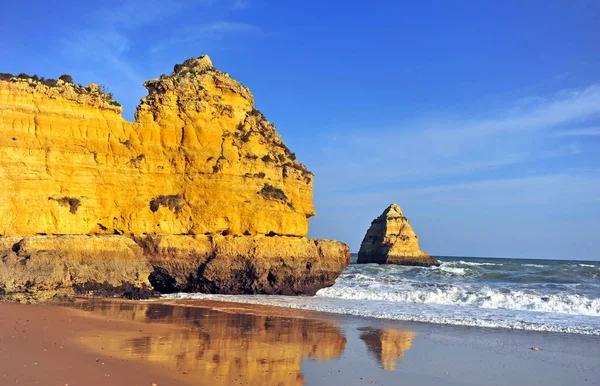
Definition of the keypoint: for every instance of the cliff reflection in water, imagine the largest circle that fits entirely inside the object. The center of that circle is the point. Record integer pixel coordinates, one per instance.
(215, 347)
(387, 345)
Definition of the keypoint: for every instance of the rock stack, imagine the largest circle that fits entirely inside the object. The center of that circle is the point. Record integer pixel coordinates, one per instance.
(391, 240)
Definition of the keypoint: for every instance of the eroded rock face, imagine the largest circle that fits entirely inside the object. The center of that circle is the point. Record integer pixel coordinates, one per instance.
(199, 162)
(218, 264)
(200, 159)
(391, 240)
(42, 268)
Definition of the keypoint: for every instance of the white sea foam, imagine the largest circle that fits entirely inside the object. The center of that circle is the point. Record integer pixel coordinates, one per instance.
(452, 270)
(469, 263)
(383, 310)
(474, 297)
(462, 291)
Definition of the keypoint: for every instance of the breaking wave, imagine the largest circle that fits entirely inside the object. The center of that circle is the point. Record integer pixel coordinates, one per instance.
(483, 297)
(557, 296)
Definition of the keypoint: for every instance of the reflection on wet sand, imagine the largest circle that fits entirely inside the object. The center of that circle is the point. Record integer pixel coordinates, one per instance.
(217, 348)
(387, 345)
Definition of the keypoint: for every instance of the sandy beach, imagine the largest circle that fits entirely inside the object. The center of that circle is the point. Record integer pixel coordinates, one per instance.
(105, 342)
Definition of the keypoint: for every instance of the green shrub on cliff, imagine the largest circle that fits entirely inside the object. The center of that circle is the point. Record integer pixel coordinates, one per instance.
(66, 78)
(51, 82)
(272, 193)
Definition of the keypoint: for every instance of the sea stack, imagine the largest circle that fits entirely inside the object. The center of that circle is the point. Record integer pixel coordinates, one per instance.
(391, 240)
(198, 194)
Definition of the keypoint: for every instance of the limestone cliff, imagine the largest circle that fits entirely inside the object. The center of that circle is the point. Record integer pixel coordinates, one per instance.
(198, 160)
(391, 240)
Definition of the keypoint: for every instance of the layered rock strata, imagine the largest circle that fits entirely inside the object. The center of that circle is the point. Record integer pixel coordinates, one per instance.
(42, 268)
(199, 160)
(391, 240)
(217, 264)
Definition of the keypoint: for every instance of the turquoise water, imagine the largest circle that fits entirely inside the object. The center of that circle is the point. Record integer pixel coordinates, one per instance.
(541, 295)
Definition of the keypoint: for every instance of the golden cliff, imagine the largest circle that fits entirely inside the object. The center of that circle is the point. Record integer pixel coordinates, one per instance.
(199, 161)
(391, 240)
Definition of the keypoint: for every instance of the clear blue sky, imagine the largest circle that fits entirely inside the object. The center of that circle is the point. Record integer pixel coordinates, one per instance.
(481, 119)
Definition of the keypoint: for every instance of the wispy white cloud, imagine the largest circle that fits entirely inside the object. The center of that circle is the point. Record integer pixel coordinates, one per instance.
(569, 105)
(200, 33)
(132, 14)
(107, 47)
(106, 38)
(426, 150)
(115, 41)
(241, 4)
(518, 190)
(585, 132)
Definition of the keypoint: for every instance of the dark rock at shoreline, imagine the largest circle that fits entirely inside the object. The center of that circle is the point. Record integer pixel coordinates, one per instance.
(243, 265)
(47, 268)
(44, 268)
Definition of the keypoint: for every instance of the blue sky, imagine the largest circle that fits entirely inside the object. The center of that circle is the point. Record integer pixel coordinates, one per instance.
(480, 119)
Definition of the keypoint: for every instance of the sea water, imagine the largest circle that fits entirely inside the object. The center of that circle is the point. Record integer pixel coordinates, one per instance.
(541, 295)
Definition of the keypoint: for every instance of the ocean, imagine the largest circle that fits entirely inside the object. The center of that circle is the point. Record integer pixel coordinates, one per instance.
(526, 294)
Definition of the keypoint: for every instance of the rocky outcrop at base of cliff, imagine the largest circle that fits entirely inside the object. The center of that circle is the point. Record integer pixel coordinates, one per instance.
(391, 240)
(82, 189)
(243, 265)
(44, 268)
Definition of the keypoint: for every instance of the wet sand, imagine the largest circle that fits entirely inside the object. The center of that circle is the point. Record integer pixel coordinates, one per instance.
(101, 342)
